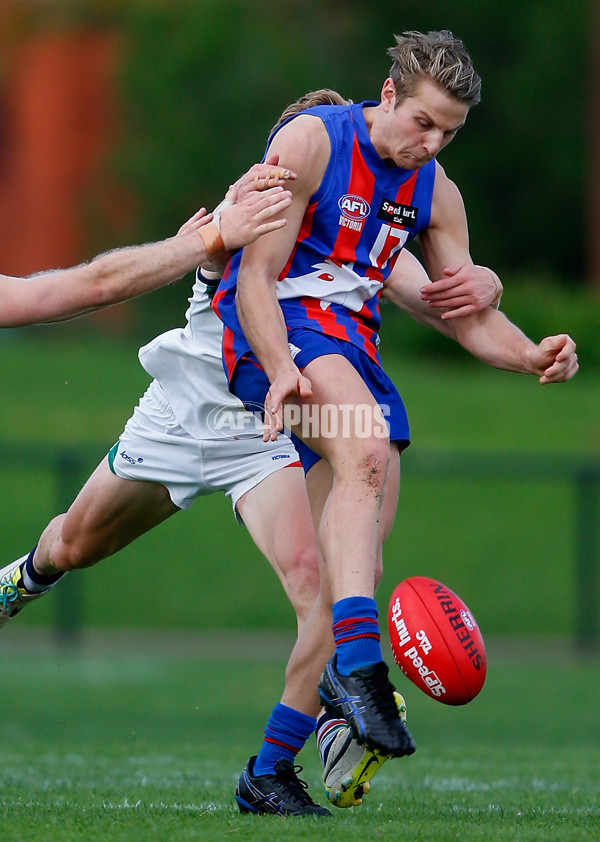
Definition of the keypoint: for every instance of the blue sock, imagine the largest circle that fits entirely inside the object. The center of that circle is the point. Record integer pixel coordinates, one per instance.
(356, 633)
(286, 732)
(35, 582)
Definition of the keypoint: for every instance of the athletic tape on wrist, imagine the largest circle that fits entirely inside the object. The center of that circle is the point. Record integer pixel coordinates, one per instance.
(210, 276)
(226, 203)
(213, 241)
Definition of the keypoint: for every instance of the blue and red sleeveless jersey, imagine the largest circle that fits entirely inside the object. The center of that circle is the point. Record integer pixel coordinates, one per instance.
(354, 227)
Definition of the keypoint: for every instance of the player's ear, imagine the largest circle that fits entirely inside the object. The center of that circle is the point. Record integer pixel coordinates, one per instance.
(388, 94)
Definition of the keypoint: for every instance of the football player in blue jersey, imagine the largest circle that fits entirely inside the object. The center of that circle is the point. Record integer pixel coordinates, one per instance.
(301, 314)
(111, 511)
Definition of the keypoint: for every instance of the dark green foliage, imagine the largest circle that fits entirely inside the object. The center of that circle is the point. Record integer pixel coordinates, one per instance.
(203, 82)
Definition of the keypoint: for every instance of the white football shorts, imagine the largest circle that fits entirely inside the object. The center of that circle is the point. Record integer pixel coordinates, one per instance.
(154, 447)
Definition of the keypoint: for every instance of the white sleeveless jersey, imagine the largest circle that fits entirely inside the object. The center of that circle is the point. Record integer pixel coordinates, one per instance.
(187, 363)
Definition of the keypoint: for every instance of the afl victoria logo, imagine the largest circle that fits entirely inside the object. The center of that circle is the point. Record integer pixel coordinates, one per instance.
(354, 207)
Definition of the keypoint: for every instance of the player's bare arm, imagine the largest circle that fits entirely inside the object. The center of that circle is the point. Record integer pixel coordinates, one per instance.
(404, 288)
(488, 335)
(109, 278)
(303, 147)
(255, 211)
(126, 273)
(465, 289)
(122, 274)
(495, 340)
(458, 287)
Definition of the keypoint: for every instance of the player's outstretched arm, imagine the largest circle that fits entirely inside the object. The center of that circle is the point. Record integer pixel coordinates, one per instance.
(108, 279)
(408, 283)
(404, 287)
(248, 211)
(495, 340)
(259, 213)
(122, 274)
(488, 335)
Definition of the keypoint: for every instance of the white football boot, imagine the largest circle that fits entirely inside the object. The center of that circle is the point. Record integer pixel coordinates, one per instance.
(13, 595)
(349, 767)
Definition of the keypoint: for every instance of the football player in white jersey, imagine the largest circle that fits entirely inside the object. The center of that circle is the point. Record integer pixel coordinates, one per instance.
(188, 436)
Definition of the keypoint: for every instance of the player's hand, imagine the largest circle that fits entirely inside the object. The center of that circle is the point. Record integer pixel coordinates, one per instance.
(283, 386)
(194, 223)
(260, 177)
(466, 289)
(248, 219)
(555, 359)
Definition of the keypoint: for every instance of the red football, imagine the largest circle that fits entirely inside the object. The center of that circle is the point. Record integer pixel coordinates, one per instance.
(436, 641)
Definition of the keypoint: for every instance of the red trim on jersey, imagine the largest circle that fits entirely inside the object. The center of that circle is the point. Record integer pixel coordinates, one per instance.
(406, 190)
(374, 274)
(303, 233)
(248, 359)
(324, 317)
(217, 298)
(220, 291)
(361, 183)
(228, 352)
(366, 332)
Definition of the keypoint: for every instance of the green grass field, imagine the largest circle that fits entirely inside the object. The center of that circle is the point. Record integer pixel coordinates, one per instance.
(501, 543)
(142, 740)
(141, 735)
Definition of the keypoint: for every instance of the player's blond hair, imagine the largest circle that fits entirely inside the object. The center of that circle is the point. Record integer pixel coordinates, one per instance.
(324, 96)
(439, 56)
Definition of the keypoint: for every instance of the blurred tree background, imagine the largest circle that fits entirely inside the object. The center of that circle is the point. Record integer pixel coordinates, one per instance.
(200, 95)
(199, 84)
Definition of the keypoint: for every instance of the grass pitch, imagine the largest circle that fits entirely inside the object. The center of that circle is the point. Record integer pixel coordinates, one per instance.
(507, 546)
(143, 739)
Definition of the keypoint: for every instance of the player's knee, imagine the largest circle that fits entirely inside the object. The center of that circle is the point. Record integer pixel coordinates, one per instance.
(370, 464)
(302, 579)
(303, 576)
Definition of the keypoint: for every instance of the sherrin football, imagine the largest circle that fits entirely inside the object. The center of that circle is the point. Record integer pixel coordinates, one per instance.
(436, 641)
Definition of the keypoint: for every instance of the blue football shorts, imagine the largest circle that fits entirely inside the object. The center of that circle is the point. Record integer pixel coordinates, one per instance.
(251, 384)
